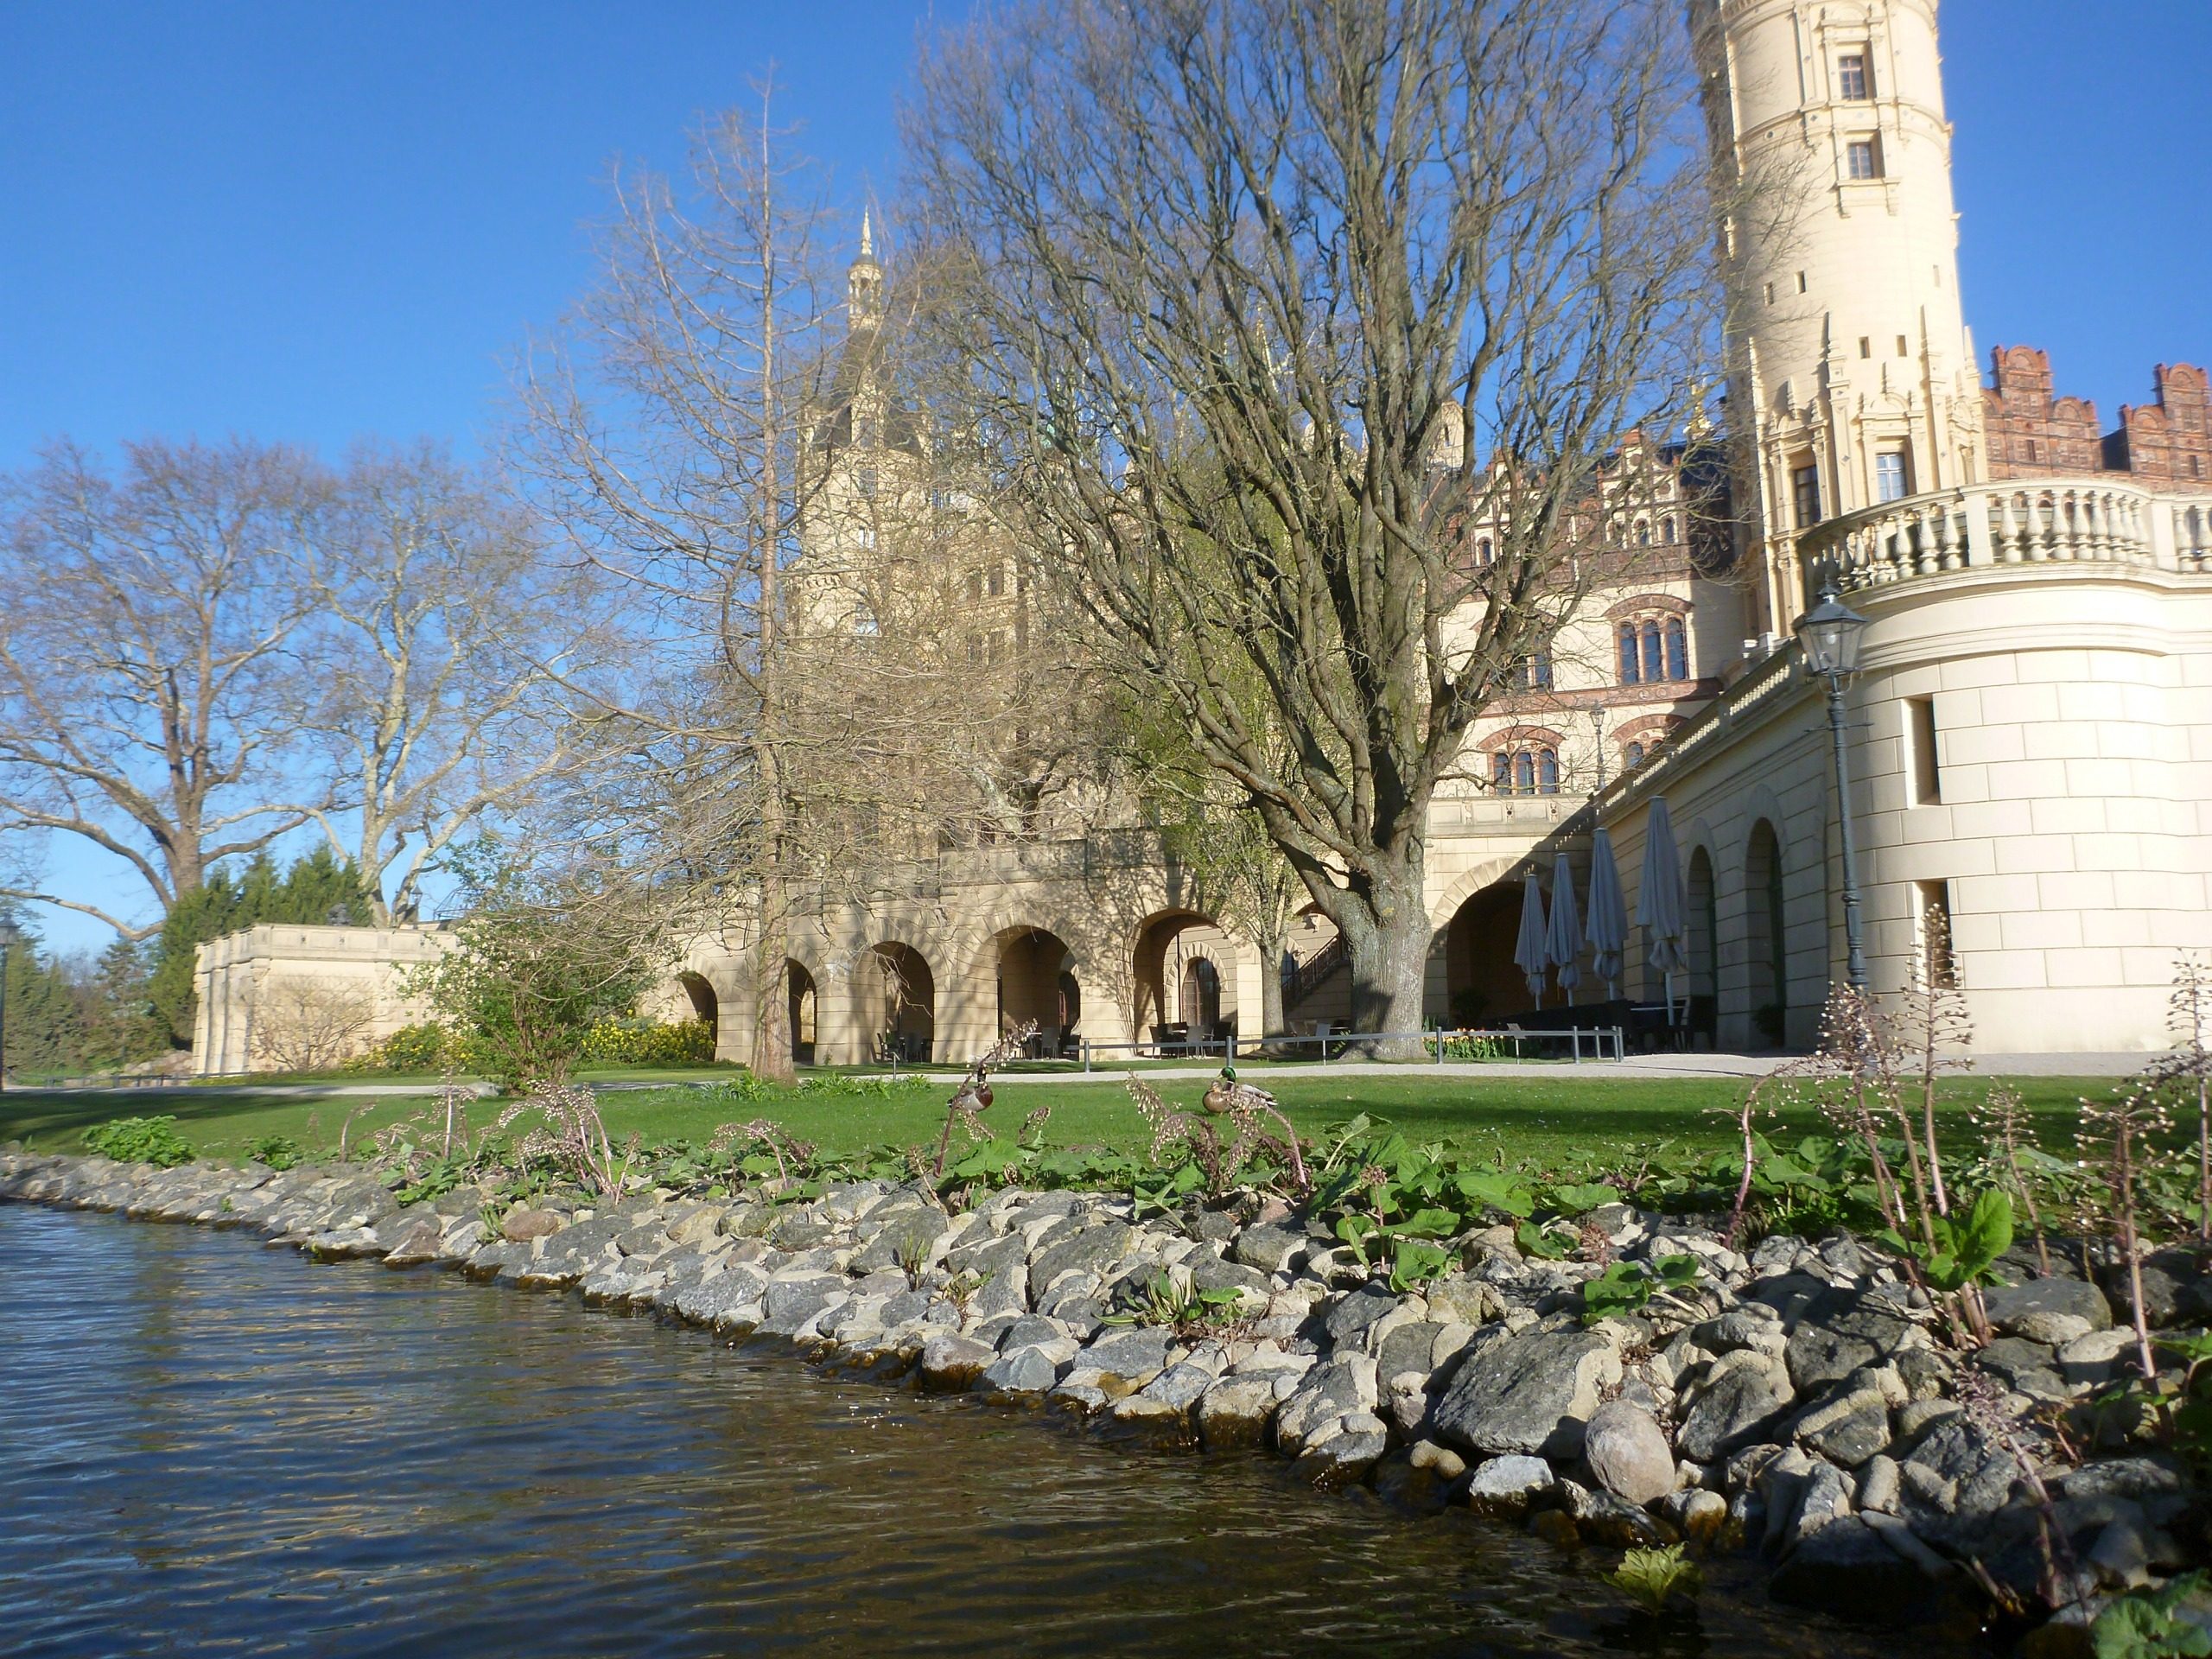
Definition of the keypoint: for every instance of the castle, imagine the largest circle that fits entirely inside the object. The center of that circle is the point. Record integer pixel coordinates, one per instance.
(2028, 740)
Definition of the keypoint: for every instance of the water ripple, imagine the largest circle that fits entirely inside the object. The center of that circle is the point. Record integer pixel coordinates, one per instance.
(215, 1449)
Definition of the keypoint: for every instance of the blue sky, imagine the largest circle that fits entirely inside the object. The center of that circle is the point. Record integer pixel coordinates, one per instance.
(313, 222)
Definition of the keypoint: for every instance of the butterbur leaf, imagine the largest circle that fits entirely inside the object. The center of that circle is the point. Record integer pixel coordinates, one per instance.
(1987, 1233)
(1504, 1193)
(1415, 1264)
(1429, 1223)
(1581, 1200)
(1539, 1241)
(1677, 1271)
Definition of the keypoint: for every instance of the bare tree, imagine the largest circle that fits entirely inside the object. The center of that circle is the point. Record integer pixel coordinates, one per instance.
(309, 1025)
(148, 622)
(442, 634)
(810, 693)
(1264, 304)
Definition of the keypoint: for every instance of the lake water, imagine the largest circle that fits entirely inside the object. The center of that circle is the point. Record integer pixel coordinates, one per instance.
(212, 1446)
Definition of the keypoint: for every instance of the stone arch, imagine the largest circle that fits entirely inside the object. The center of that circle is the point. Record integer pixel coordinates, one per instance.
(897, 1001)
(1163, 948)
(1466, 984)
(1766, 932)
(803, 998)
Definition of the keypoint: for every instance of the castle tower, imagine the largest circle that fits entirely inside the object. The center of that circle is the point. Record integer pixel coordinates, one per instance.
(1852, 375)
(864, 282)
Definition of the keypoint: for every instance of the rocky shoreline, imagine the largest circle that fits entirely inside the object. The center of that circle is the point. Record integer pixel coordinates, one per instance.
(1796, 1400)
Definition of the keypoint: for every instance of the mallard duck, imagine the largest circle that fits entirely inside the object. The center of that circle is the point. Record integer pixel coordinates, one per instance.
(1224, 1091)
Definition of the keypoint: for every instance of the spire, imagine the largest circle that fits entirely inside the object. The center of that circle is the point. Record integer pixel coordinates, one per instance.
(864, 280)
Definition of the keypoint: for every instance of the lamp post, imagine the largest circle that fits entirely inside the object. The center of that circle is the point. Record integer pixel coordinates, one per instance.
(10, 935)
(1829, 633)
(1598, 742)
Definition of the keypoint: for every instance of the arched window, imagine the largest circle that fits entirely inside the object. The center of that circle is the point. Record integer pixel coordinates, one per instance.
(1643, 532)
(1633, 754)
(1678, 650)
(1483, 551)
(1547, 772)
(1652, 666)
(1667, 532)
(1524, 773)
(1629, 675)
(1500, 771)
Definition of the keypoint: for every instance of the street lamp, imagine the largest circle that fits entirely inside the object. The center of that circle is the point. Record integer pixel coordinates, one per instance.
(1829, 635)
(10, 935)
(1598, 742)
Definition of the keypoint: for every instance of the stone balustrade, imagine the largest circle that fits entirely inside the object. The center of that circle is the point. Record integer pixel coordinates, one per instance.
(2018, 521)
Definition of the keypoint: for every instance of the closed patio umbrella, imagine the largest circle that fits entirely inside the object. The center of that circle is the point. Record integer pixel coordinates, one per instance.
(1608, 929)
(1528, 949)
(1563, 937)
(1661, 901)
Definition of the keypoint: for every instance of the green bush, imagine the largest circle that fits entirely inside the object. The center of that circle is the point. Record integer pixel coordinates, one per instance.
(648, 1042)
(426, 1048)
(277, 1151)
(141, 1140)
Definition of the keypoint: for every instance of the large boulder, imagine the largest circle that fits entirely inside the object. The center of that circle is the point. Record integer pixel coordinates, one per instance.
(1627, 1451)
(1093, 1250)
(1735, 1404)
(1532, 1393)
(1838, 1331)
(2049, 1311)
(1507, 1488)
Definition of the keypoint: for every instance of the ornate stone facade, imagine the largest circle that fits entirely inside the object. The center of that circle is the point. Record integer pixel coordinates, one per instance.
(2029, 739)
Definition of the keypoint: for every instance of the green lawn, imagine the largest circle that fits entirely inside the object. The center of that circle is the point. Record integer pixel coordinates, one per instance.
(1568, 1120)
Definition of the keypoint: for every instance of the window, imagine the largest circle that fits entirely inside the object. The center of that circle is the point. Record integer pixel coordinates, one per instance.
(1850, 77)
(1652, 668)
(1667, 532)
(1861, 160)
(1769, 293)
(1866, 346)
(1643, 532)
(1890, 481)
(866, 478)
(1533, 671)
(1678, 650)
(1904, 349)
(1800, 281)
(1525, 772)
(1631, 672)
(1920, 746)
(1633, 754)
(2032, 449)
(996, 582)
(1805, 484)
(1937, 960)
(974, 584)
(1485, 553)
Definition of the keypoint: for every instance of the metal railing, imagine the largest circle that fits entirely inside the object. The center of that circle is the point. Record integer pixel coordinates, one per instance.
(1437, 1043)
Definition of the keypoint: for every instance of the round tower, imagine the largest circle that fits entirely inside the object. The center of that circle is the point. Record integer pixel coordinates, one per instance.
(1852, 375)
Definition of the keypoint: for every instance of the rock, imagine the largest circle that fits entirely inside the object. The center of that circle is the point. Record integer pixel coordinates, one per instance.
(1697, 1515)
(1507, 1488)
(2049, 1311)
(1825, 1500)
(1410, 1347)
(1271, 1248)
(523, 1225)
(419, 1243)
(1848, 1572)
(1135, 1353)
(1342, 1457)
(2175, 1288)
(1177, 1388)
(1324, 1395)
(1026, 1370)
(1436, 1459)
(1532, 1393)
(1089, 1249)
(1347, 1322)
(1880, 1487)
(1627, 1452)
(2097, 1356)
(952, 1363)
(2028, 1368)
(1603, 1518)
(1234, 1412)
(2156, 1475)
(1839, 1332)
(792, 1306)
(910, 1235)
(999, 1271)
(1735, 1405)
(1210, 1272)
(1748, 1325)
(1846, 1428)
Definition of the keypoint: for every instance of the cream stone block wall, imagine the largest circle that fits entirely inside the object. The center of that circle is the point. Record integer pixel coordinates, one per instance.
(235, 976)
